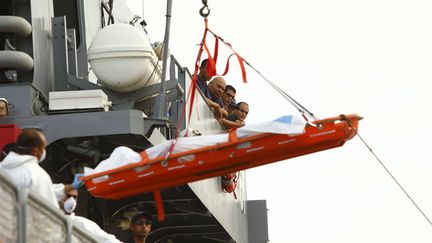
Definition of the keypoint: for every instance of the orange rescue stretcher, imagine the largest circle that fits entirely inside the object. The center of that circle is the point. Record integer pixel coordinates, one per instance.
(234, 155)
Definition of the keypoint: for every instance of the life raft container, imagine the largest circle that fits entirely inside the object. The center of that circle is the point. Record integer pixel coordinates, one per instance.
(221, 159)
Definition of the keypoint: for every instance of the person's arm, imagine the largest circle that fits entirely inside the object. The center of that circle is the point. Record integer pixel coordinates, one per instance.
(42, 185)
(93, 228)
(59, 191)
(230, 124)
(218, 111)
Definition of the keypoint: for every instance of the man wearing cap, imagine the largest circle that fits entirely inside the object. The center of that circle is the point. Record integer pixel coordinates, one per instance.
(140, 227)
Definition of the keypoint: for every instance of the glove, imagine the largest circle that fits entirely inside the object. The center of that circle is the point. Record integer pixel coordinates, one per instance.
(77, 182)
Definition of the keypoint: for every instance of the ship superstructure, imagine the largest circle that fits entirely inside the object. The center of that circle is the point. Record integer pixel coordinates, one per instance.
(46, 79)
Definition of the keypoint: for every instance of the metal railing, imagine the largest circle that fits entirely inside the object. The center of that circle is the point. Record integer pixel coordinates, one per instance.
(24, 217)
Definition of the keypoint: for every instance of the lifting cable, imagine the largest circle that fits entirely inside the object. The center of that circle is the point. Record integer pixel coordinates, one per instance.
(394, 178)
(296, 104)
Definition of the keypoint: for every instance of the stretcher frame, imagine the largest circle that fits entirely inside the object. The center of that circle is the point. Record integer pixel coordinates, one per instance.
(150, 175)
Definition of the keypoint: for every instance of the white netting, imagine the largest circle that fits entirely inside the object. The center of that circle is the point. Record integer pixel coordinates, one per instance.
(8, 213)
(43, 225)
(78, 237)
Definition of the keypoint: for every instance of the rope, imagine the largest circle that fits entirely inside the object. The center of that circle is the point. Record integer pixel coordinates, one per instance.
(394, 178)
(296, 104)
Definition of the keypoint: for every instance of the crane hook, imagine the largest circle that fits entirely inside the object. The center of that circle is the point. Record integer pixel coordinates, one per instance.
(204, 11)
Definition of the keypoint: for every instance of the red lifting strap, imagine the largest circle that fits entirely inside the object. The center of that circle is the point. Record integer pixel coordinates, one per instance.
(239, 58)
(212, 60)
(159, 205)
(211, 70)
(211, 65)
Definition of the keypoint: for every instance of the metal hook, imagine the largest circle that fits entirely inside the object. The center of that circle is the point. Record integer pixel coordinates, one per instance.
(202, 13)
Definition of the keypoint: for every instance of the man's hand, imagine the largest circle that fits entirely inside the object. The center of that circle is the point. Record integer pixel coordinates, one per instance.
(218, 111)
(239, 123)
(77, 182)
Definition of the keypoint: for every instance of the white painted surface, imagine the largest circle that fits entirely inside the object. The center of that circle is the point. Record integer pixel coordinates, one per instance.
(80, 99)
(123, 59)
(228, 211)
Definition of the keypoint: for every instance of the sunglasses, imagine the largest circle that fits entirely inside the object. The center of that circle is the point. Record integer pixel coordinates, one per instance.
(141, 222)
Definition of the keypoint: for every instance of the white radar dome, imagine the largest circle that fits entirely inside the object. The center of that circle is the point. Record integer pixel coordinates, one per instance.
(123, 59)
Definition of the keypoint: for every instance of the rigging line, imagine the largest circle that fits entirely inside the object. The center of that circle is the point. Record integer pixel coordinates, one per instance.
(296, 104)
(300, 105)
(394, 179)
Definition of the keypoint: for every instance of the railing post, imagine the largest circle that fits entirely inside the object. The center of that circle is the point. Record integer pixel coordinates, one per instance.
(21, 207)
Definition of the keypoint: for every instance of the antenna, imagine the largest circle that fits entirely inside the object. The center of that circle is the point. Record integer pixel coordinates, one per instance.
(142, 9)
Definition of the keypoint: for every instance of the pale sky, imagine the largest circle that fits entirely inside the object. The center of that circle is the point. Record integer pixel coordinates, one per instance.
(372, 58)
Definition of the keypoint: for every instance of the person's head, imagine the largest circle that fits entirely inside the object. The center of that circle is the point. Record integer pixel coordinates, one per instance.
(203, 71)
(241, 111)
(228, 95)
(31, 142)
(140, 225)
(217, 87)
(4, 109)
(69, 202)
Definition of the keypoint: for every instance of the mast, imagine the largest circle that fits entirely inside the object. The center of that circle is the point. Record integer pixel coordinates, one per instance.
(160, 111)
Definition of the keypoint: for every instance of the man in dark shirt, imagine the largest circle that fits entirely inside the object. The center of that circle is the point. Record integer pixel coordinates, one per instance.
(212, 99)
(203, 78)
(140, 227)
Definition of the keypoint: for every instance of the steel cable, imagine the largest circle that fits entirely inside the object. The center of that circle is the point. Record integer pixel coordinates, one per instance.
(296, 104)
(394, 178)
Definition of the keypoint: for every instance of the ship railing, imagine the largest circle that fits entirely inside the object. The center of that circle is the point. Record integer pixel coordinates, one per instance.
(25, 217)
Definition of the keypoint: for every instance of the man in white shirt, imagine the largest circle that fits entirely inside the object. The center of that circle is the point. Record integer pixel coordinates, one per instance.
(22, 166)
(68, 204)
